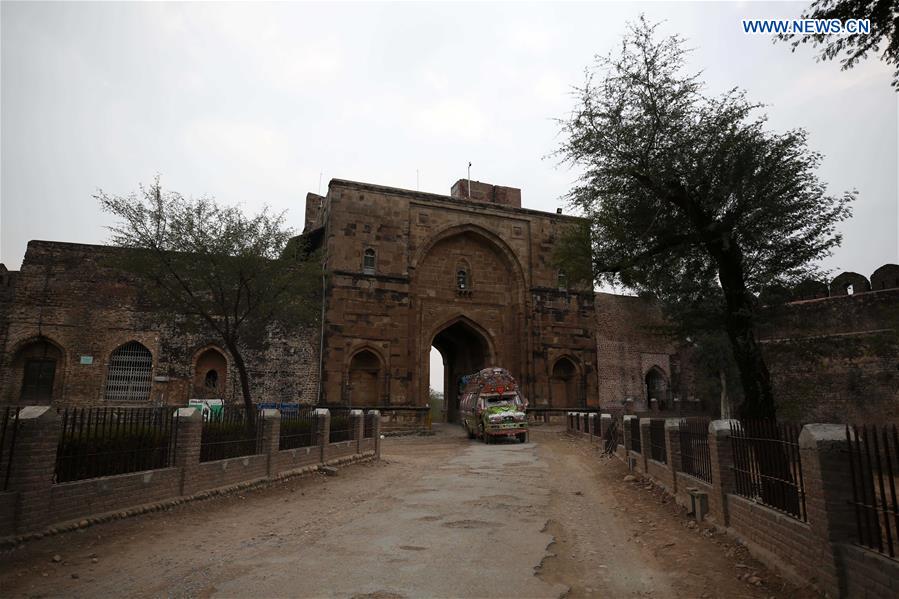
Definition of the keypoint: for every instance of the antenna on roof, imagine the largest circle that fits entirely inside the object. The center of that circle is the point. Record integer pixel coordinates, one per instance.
(469, 180)
(319, 182)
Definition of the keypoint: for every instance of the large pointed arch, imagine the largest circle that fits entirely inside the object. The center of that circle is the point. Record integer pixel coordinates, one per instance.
(465, 347)
(503, 249)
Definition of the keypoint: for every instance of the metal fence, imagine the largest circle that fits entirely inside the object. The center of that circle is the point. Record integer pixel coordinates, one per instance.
(610, 435)
(101, 441)
(767, 468)
(341, 425)
(657, 449)
(874, 464)
(9, 427)
(694, 448)
(635, 435)
(368, 426)
(298, 427)
(230, 434)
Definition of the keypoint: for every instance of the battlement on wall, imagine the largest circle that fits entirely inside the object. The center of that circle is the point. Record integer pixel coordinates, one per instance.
(846, 283)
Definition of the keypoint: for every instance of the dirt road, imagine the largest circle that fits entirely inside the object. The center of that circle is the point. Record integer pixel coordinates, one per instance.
(438, 516)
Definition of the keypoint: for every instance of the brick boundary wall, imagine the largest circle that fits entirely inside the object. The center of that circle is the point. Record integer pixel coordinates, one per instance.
(821, 551)
(35, 506)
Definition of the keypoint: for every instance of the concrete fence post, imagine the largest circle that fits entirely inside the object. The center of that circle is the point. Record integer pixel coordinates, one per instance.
(189, 423)
(322, 431)
(31, 471)
(722, 459)
(358, 419)
(827, 478)
(672, 449)
(271, 437)
(645, 449)
(376, 431)
(568, 421)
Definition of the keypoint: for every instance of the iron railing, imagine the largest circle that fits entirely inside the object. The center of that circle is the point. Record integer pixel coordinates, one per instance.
(636, 445)
(9, 427)
(695, 458)
(874, 465)
(230, 434)
(341, 425)
(610, 438)
(102, 441)
(657, 449)
(767, 468)
(368, 426)
(298, 427)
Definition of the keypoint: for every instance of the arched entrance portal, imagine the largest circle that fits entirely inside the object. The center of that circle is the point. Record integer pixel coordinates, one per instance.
(465, 350)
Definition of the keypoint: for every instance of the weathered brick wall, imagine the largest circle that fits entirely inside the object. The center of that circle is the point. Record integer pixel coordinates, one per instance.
(869, 574)
(34, 502)
(661, 473)
(291, 459)
(69, 294)
(223, 473)
(627, 347)
(7, 513)
(73, 500)
(835, 359)
(784, 537)
(339, 450)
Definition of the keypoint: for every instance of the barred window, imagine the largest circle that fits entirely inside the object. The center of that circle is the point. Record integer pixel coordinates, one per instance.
(462, 279)
(368, 261)
(129, 374)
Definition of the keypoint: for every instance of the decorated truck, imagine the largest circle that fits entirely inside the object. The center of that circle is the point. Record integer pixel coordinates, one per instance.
(491, 406)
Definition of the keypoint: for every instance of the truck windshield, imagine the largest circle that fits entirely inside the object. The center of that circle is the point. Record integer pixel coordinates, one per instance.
(500, 400)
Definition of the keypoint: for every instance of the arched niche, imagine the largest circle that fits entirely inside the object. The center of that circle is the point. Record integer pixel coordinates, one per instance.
(210, 374)
(365, 379)
(566, 384)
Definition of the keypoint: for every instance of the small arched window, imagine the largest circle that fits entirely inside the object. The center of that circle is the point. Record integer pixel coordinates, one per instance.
(462, 279)
(368, 261)
(212, 379)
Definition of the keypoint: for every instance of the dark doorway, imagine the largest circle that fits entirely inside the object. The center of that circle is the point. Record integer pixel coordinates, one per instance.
(464, 351)
(37, 384)
(37, 361)
(656, 388)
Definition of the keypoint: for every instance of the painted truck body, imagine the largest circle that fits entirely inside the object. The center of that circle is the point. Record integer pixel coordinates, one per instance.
(492, 406)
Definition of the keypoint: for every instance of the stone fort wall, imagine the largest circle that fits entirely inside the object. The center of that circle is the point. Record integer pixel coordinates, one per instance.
(834, 352)
(67, 294)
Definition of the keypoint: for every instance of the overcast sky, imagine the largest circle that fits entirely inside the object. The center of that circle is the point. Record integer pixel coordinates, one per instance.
(254, 103)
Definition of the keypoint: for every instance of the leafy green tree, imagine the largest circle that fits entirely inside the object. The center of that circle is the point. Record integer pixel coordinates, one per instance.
(212, 268)
(884, 18)
(690, 199)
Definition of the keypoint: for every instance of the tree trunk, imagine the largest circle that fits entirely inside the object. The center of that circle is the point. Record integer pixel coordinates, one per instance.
(758, 400)
(725, 400)
(244, 377)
